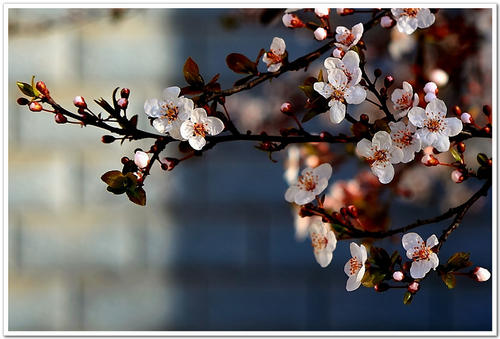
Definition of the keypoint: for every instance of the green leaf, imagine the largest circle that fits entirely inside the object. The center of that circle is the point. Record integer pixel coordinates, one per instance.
(372, 277)
(482, 159)
(395, 258)
(35, 91)
(27, 89)
(192, 73)
(137, 196)
(407, 298)
(458, 261)
(455, 155)
(114, 179)
(449, 280)
(320, 75)
(119, 190)
(241, 64)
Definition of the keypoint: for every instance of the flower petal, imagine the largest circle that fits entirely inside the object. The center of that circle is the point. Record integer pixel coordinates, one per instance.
(355, 95)
(332, 240)
(436, 107)
(162, 125)
(364, 148)
(304, 197)
(432, 241)
(382, 140)
(407, 24)
(323, 257)
(171, 93)
(332, 63)
(274, 67)
(417, 116)
(355, 250)
(411, 240)
(352, 283)
(290, 193)
(396, 155)
(324, 89)
(441, 143)
(425, 18)
(323, 171)
(187, 129)
(453, 126)
(434, 260)
(420, 268)
(337, 111)
(337, 78)
(197, 142)
(198, 115)
(364, 256)
(278, 46)
(214, 125)
(351, 61)
(384, 171)
(152, 109)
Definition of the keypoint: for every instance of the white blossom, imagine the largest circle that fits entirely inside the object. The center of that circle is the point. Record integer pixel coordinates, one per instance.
(349, 64)
(403, 136)
(420, 253)
(380, 154)
(141, 159)
(320, 34)
(322, 12)
(309, 184)
(340, 92)
(274, 58)
(434, 129)
(198, 126)
(347, 38)
(169, 113)
(409, 19)
(403, 100)
(355, 267)
(323, 241)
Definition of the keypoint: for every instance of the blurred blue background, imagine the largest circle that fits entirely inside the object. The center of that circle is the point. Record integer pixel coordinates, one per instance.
(214, 249)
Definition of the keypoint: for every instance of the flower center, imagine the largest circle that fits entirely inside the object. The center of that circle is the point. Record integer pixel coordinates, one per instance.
(405, 101)
(421, 252)
(355, 266)
(411, 12)
(347, 39)
(403, 138)
(319, 241)
(379, 156)
(199, 129)
(274, 57)
(170, 111)
(307, 181)
(337, 94)
(434, 125)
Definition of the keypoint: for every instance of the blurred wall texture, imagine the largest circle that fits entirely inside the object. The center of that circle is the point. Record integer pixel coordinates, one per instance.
(214, 249)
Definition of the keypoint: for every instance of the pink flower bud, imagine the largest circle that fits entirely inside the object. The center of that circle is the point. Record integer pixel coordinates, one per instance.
(413, 287)
(429, 160)
(386, 22)
(292, 21)
(141, 159)
(430, 87)
(322, 12)
(466, 118)
(398, 276)
(123, 103)
(286, 107)
(35, 106)
(457, 176)
(79, 102)
(60, 118)
(320, 33)
(481, 274)
(429, 97)
(338, 53)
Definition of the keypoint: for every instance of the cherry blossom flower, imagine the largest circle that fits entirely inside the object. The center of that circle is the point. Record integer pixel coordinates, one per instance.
(347, 38)
(323, 242)
(403, 136)
(481, 274)
(338, 91)
(349, 64)
(421, 253)
(141, 159)
(380, 154)
(292, 21)
(404, 100)
(274, 58)
(409, 19)
(320, 33)
(386, 21)
(434, 129)
(170, 112)
(198, 126)
(310, 183)
(355, 267)
(322, 12)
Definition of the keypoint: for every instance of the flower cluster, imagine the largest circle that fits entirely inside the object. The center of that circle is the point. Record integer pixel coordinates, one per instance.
(177, 116)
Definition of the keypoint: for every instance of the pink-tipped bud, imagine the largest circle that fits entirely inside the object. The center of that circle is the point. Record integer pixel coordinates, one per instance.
(429, 160)
(320, 33)
(413, 287)
(429, 97)
(60, 118)
(481, 274)
(35, 106)
(387, 22)
(430, 87)
(169, 164)
(398, 276)
(124, 93)
(123, 103)
(466, 118)
(286, 107)
(457, 176)
(322, 12)
(338, 53)
(79, 102)
(292, 21)
(141, 159)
